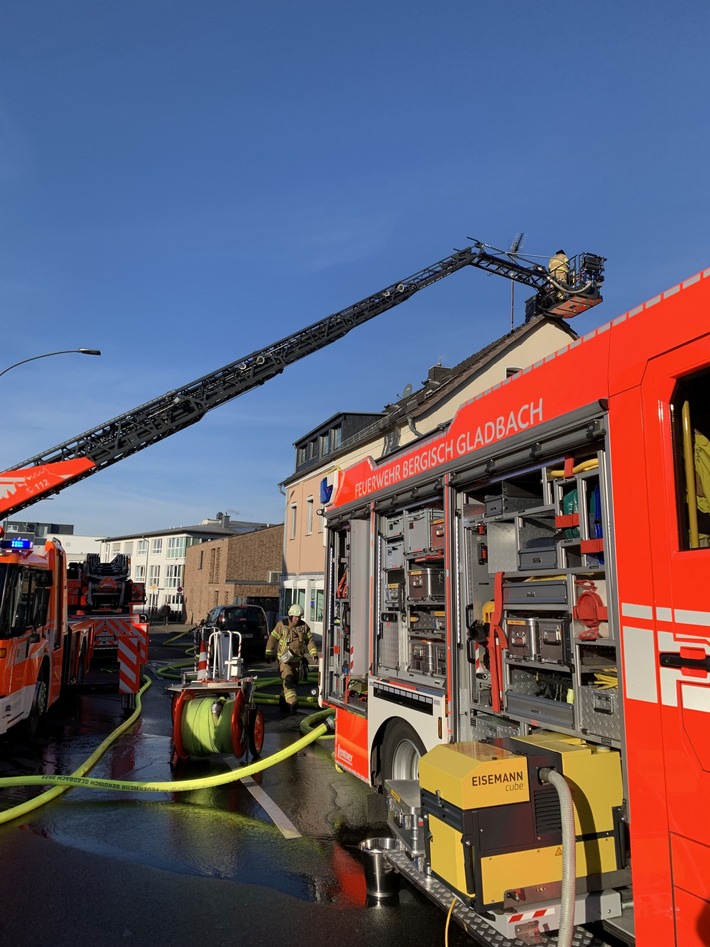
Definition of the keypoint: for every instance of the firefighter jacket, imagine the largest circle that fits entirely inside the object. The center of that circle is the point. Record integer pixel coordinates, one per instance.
(559, 268)
(290, 643)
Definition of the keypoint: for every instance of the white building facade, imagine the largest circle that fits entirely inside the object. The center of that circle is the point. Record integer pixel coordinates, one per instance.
(158, 559)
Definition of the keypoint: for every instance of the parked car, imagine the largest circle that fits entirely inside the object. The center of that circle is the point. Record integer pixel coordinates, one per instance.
(249, 620)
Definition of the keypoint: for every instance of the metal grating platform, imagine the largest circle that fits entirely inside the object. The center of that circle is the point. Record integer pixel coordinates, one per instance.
(474, 925)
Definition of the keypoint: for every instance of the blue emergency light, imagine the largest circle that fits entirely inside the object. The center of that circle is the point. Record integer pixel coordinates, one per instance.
(15, 543)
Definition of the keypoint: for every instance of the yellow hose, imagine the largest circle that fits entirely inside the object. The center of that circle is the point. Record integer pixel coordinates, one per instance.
(183, 785)
(77, 778)
(578, 468)
(26, 807)
(204, 732)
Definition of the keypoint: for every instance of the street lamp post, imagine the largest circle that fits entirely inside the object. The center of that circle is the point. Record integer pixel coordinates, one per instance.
(47, 355)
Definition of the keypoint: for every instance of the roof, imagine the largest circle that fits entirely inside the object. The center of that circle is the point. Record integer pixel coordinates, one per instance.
(206, 532)
(434, 390)
(439, 386)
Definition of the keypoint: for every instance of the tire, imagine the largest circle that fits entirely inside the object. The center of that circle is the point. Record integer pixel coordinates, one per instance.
(40, 703)
(255, 730)
(401, 751)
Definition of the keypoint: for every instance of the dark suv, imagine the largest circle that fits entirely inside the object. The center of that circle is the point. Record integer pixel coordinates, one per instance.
(248, 620)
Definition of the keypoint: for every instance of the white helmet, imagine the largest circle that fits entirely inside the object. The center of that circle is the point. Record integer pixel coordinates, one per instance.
(295, 609)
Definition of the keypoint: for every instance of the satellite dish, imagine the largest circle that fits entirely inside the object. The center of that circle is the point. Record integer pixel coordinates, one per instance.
(407, 391)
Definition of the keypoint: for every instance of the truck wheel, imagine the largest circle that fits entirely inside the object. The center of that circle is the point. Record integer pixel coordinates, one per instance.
(401, 750)
(40, 703)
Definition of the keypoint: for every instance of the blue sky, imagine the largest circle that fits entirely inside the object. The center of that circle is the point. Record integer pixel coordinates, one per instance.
(183, 183)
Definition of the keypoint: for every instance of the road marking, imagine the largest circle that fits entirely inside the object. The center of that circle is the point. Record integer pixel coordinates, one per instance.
(278, 816)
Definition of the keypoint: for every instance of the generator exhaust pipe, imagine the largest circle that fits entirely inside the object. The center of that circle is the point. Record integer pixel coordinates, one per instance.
(569, 855)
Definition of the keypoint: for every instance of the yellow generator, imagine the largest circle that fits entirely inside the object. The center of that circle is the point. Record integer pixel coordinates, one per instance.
(493, 827)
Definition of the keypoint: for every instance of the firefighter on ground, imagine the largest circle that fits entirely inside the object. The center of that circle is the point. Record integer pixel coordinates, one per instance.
(289, 643)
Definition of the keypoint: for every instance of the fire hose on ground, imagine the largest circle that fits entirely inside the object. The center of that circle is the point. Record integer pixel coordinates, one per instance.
(314, 728)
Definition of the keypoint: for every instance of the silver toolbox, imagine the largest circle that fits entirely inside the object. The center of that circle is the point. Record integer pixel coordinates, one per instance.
(521, 634)
(552, 592)
(394, 554)
(599, 711)
(394, 525)
(417, 529)
(427, 656)
(553, 640)
(539, 554)
(510, 498)
(427, 583)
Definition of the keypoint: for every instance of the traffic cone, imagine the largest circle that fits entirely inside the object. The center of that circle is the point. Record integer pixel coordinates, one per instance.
(202, 663)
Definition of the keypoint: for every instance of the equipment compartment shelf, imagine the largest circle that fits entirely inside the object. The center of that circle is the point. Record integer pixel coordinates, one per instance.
(513, 661)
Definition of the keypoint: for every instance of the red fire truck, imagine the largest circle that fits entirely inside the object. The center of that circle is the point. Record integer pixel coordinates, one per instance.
(55, 619)
(523, 592)
(40, 651)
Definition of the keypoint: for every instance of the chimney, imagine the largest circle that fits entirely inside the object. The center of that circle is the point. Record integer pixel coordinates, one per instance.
(438, 373)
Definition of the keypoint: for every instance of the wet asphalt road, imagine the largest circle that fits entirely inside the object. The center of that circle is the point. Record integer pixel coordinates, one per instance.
(207, 867)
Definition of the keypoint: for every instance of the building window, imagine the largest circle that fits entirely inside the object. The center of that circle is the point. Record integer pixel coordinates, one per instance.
(202, 560)
(312, 449)
(142, 547)
(176, 547)
(115, 549)
(157, 546)
(309, 516)
(324, 444)
(128, 549)
(154, 577)
(173, 577)
(300, 456)
(336, 437)
(317, 605)
(139, 573)
(215, 558)
(293, 521)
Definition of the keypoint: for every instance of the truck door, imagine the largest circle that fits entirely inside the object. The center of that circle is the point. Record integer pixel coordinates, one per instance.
(676, 424)
(23, 609)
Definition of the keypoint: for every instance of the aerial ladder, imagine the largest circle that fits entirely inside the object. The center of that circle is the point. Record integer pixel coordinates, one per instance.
(51, 471)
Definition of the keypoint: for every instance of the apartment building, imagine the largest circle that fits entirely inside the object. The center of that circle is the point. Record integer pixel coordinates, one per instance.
(158, 558)
(234, 570)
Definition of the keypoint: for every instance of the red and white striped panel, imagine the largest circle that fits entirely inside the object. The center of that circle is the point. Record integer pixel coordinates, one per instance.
(530, 915)
(129, 664)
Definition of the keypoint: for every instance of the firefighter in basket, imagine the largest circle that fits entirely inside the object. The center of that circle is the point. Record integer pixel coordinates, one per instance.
(289, 643)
